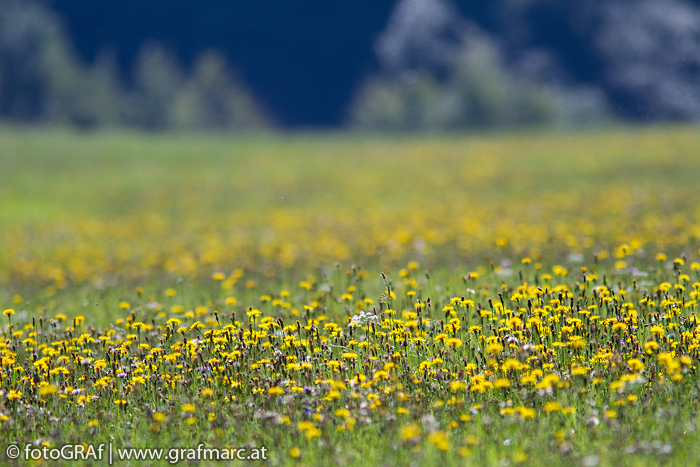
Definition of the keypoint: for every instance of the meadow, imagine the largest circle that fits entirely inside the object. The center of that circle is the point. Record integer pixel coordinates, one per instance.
(522, 298)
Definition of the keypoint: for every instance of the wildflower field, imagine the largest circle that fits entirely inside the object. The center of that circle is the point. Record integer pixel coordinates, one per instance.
(506, 299)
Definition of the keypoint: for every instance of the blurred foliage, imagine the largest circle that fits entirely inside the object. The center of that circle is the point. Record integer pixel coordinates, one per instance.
(479, 92)
(43, 81)
(441, 72)
(157, 80)
(214, 98)
(442, 64)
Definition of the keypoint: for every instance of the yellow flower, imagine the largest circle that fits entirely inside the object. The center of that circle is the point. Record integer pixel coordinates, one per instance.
(275, 391)
(453, 342)
(440, 440)
(501, 383)
(409, 432)
(187, 408)
(512, 364)
(295, 452)
(494, 348)
(635, 364)
(8, 312)
(381, 374)
(305, 425)
(47, 390)
(552, 406)
(457, 386)
(577, 343)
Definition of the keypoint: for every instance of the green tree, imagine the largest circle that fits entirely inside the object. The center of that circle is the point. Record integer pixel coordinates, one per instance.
(158, 78)
(214, 99)
(42, 79)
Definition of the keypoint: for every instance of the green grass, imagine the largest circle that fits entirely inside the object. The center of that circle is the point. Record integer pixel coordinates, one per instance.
(99, 231)
(53, 171)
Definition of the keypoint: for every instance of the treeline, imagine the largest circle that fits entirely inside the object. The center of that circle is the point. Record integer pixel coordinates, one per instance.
(549, 62)
(42, 81)
(473, 88)
(438, 65)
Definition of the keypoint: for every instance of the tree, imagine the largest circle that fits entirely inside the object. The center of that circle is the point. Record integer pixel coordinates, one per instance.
(41, 78)
(651, 50)
(214, 99)
(439, 71)
(158, 78)
(421, 36)
(26, 29)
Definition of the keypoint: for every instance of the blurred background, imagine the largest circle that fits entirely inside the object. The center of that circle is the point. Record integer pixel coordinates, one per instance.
(405, 65)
